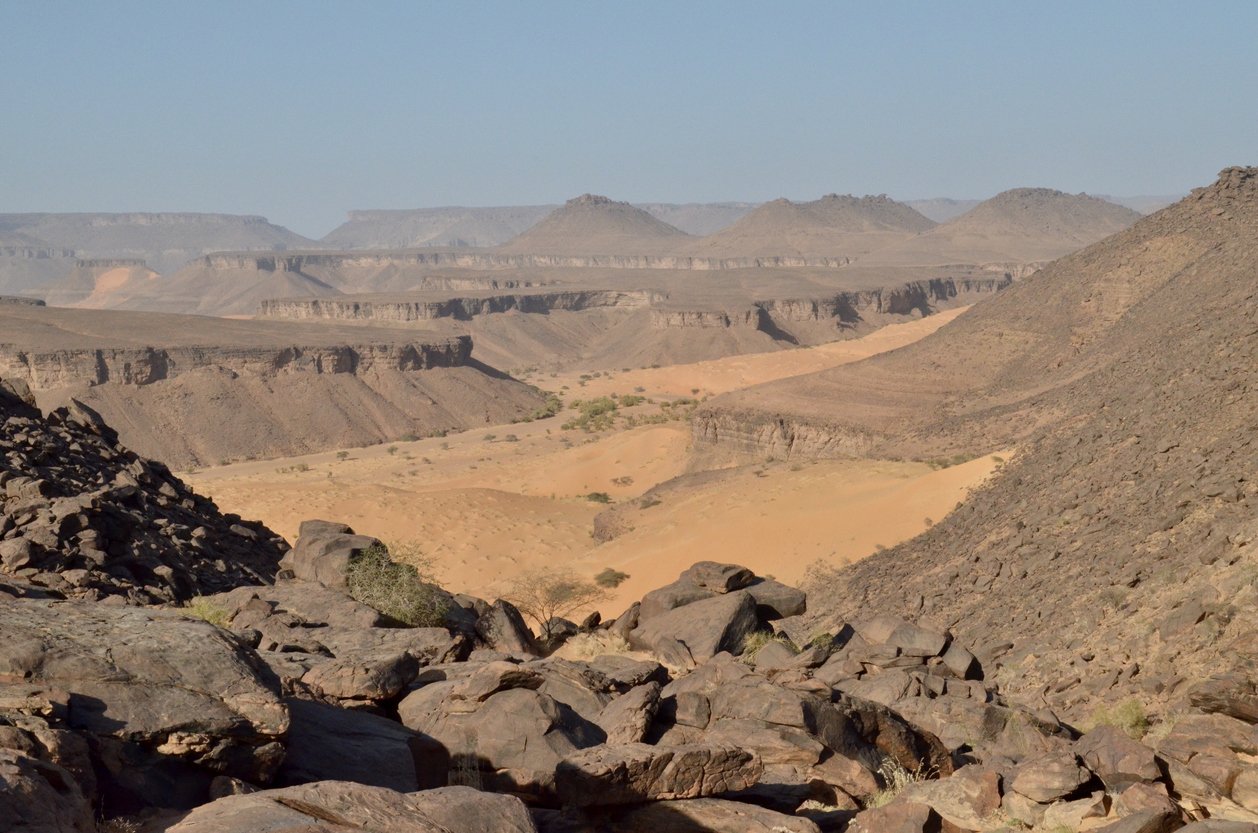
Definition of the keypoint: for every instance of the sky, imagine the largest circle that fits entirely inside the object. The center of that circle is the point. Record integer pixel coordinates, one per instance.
(301, 111)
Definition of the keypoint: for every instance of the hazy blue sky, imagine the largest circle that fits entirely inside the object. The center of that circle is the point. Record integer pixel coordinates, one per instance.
(302, 110)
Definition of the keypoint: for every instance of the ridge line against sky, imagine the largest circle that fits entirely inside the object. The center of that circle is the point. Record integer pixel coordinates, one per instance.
(301, 111)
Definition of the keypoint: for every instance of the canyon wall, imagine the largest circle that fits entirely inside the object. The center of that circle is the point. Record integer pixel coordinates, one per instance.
(457, 308)
(304, 261)
(55, 369)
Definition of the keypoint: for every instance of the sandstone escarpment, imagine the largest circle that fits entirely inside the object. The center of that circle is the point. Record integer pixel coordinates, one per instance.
(57, 369)
(461, 309)
(308, 261)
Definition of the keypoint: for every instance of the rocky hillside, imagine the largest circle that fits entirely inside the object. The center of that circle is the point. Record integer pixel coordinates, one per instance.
(1114, 557)
(1023, 225)
(384, 308)
(81, 516)
(594, 225)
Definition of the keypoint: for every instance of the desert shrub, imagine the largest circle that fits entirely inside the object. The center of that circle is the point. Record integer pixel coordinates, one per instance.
(894, 778)
(392, 449)
(755, 641)
(489, 437)
(342, 455)
(609, 577)
(1129, 716)
(199, 607)
(629, 400)
(511, 438)
(399, 591)
(623, 481)
(598, 497)
(546, 594)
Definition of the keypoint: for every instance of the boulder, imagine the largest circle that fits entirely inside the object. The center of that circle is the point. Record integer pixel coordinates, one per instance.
(705, 815)
(627, 718)
(323, 552)
(1117, 759)
(968, 799)
(327, 743)
(775, 600)
(1050, 777)
(512, 741)
(156, 693)
(635, 772)
(717, 577)
(696, 632)
(1145, 821)
(37, 796)
(503, 629)
(896, 817)
(345, 807)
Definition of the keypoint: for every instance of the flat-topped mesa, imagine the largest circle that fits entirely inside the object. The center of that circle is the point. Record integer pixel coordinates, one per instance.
(463, 308)
(35, 252)
(57, 369)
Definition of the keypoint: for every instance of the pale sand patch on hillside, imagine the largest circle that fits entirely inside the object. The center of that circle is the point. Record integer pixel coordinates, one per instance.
(734, 372)
(781, 520)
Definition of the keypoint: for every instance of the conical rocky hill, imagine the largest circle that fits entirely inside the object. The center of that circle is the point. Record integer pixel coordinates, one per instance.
(83, 517)
(1114, 558)
(833, 225)
(1022, 225)
(594, 225)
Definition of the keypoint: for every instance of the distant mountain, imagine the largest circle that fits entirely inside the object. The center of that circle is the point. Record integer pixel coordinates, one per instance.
(832, 225)
(595, 225)
(942, 209)
(698, 218)
(452, 226)
(165, 241)
(1019, 226)
(1146, 203)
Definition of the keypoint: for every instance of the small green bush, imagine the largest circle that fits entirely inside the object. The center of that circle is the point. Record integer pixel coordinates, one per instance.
(199, 607)
(610, 578)
(1129, 716)
(399, 591)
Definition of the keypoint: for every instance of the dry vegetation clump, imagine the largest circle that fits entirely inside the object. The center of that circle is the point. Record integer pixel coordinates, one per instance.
(1128, 716)
(400, 591)
(609, 577)
(199, 607)
(547, 594)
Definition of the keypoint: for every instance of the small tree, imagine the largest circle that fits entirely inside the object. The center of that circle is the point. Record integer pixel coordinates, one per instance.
(546, 594)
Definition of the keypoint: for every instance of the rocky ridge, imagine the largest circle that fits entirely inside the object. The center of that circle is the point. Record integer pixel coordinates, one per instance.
(1113, 557)
(83, 517)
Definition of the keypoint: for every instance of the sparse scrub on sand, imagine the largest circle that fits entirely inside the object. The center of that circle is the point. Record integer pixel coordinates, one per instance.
(398, 590)
(587, 646)
(342, 455)
(948, 462)
(1129, 716)
(199, 607)
(593, 414)
(546, 594)
(629, 400)
(609, 577)
(598, 497)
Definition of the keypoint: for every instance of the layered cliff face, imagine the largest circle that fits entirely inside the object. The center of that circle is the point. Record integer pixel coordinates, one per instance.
(56, 369)
(457, 308)
(190, 390)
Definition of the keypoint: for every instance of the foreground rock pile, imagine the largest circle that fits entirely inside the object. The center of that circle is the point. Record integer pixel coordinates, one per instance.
(83, 517)
(306, 710)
